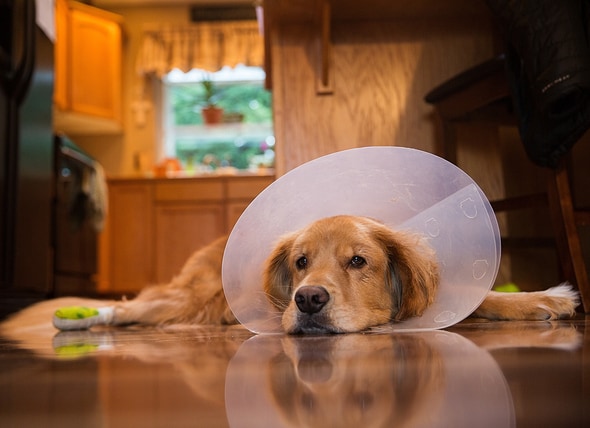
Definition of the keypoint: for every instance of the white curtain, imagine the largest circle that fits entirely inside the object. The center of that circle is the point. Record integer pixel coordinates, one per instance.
(208, 46)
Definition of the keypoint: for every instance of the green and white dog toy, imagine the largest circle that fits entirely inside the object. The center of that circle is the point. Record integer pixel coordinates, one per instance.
(82, 317)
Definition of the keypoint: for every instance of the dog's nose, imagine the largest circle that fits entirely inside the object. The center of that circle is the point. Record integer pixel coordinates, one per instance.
(311, 299)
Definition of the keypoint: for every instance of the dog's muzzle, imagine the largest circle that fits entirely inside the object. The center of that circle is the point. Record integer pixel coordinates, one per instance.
(310, 301)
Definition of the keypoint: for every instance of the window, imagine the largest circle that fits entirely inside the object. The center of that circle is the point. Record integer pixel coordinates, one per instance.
(243, 139)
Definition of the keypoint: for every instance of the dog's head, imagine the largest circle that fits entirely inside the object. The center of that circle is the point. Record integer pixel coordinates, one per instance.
(346, 274)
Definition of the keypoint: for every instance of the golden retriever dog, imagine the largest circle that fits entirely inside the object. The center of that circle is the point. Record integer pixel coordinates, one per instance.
(337, 275)
(345, 274)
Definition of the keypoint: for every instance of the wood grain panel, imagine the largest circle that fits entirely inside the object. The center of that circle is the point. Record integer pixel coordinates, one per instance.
(96, 76)
(247, 188)
(130, 261)
(180, 230)
(382, 70)
(192, 190)
(233, 211)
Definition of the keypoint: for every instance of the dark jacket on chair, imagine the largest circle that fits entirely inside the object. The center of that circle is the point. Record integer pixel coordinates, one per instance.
(548, 66)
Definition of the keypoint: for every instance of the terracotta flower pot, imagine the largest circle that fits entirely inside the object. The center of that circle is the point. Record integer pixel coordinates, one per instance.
(212, 115)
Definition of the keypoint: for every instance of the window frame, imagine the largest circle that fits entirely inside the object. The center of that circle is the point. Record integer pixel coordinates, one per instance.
(225, 76)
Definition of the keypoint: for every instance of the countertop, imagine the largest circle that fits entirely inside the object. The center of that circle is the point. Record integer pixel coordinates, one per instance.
(191, 175)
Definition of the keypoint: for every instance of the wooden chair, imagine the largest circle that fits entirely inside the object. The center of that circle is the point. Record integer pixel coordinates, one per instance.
(482, 92)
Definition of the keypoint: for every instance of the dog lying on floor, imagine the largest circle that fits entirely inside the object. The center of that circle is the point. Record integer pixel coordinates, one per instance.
(339, 274)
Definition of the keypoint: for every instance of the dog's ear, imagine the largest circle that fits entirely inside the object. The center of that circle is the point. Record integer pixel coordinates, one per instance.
(277, 273)
(413, 270)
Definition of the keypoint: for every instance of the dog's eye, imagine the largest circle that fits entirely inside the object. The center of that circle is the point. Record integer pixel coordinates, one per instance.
(357, 262)
(301, 262)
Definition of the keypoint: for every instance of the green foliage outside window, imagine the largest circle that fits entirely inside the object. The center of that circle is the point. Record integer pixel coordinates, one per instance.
(215, 154)
(198, 145)
(249, 99)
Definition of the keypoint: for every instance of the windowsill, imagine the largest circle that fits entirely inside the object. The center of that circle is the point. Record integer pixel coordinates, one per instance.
(224, 171)
(223, 130)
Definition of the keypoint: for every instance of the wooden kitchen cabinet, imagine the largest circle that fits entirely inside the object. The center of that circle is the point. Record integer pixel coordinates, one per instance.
(88, 69)
(233, 211)
(240, 192)
(154, 225)
(129, 258)
(180, 229)
(188, 215)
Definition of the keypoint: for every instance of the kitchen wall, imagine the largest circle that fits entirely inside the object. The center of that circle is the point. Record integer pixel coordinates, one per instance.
(381, 72)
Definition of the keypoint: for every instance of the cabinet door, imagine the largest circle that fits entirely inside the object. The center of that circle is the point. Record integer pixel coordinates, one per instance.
(95, 61)
(180, 230)
(240, 192)
(88, 69)
(233, 212)
(130, 242)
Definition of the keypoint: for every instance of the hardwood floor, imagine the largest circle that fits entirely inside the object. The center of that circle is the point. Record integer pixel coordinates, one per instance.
(496, 374)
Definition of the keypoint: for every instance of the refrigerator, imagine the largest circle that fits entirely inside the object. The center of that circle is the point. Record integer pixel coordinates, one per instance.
(26, 151)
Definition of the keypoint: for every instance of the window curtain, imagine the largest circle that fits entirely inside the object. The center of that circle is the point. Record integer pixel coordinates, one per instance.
(208, 46)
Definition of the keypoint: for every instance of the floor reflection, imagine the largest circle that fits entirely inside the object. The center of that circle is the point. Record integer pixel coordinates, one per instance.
(422, 379)
(215, 376)
(117, 377)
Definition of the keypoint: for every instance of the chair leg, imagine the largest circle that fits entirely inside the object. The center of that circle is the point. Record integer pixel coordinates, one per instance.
(566, 232)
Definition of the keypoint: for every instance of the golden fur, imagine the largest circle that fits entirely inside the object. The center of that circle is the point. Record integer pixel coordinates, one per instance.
(339, 274)
(194, 296)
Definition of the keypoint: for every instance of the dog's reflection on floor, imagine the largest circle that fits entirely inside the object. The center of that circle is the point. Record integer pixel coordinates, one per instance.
(356, 380)
(429, 378)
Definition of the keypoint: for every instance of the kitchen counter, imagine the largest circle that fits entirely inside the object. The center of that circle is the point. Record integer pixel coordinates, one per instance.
(191, 175)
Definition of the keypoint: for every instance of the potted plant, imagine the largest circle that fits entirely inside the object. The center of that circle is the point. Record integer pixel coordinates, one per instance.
(210, 112)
